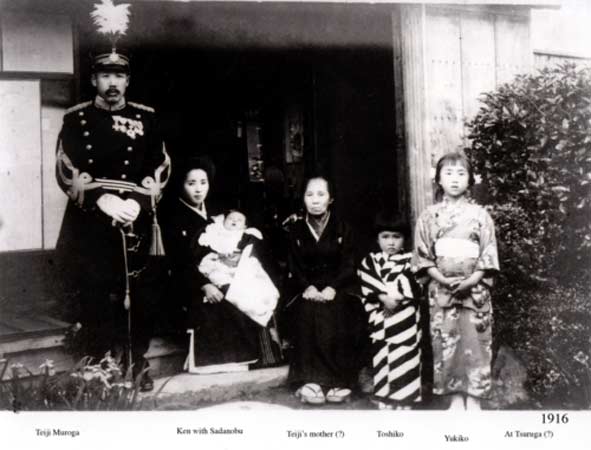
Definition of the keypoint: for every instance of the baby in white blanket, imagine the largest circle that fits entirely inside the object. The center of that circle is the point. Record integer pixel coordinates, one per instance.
(232, 266)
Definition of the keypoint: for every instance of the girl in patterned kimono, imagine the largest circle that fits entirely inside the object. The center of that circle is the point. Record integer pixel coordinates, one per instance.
(389, 296)
(455, 246)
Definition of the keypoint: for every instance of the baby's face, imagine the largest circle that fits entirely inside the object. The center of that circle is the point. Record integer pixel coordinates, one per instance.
(235, 221)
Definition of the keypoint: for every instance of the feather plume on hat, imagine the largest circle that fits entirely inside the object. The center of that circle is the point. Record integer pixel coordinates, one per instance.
(111, 20)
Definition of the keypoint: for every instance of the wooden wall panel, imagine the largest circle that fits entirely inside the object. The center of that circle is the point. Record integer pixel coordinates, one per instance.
(20, 165)
(402, 171)
(478, 60)
(513, 46)
(54, 200)
(450, 55)
(412, 37)
(542, 59)
(37, 43)
(443, 82)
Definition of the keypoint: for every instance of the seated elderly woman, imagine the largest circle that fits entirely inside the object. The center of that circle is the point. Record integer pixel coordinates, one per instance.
(326, 320)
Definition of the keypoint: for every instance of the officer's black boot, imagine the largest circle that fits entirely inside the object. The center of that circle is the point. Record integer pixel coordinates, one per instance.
(145, 381)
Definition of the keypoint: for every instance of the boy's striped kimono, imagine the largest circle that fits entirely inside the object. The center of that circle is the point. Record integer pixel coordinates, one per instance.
(395, 335)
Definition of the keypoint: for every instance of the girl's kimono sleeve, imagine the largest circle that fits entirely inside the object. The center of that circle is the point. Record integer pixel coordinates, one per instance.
(423, 256)
(488, 261)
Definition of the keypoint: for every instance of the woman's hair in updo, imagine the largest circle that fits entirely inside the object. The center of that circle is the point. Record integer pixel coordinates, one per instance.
(318, 176)
(197, 162)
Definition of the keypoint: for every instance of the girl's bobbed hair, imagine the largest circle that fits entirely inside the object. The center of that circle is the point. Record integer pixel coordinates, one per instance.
(453, 158)
(386, 220)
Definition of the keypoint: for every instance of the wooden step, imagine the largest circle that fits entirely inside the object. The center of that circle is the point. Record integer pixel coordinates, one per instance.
(32, 360)
(20, 333)
(31, 340)
(165, 357)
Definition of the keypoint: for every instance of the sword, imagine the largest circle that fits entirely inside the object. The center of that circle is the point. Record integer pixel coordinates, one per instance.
(127, 300)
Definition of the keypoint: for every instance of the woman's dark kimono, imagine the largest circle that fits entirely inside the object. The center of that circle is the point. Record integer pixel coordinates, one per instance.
(223, 334)
(179, 224)
(326, 334)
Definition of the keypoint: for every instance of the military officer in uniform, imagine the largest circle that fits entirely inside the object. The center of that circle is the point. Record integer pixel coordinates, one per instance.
(112, 164)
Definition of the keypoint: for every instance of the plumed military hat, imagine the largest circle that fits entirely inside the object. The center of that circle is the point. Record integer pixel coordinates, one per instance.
(115, 61)
(110, 62)
(111, 21)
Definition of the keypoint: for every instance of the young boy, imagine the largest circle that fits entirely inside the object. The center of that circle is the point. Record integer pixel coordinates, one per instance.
(390, 297)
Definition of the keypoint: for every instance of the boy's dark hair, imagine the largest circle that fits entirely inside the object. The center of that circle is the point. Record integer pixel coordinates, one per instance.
(390, 221)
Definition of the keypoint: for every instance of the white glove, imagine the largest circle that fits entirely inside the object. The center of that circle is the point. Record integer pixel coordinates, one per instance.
(133, 208)
(122, 211)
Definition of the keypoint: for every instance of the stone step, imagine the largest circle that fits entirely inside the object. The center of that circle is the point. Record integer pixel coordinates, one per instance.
(190, 391)
(166, 357)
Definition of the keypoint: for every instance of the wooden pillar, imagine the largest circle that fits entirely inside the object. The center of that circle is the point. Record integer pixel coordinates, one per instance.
(449, 55)
(411, 33)
(402, 177)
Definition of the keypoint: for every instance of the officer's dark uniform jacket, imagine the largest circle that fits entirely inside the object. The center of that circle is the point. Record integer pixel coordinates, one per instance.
(102, 151)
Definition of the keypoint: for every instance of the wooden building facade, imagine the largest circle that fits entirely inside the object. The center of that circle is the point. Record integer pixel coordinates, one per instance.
(375, 92)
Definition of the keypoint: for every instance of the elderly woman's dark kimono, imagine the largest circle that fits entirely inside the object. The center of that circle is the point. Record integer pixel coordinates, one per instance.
(326, 335)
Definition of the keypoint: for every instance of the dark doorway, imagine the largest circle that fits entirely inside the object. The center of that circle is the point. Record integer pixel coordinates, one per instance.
(307, 85)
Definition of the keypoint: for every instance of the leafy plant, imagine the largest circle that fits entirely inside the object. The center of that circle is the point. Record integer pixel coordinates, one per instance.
(87, 386)
(531, 144)
(550, 329)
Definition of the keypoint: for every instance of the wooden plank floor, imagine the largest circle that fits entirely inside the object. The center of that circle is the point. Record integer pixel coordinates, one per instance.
(32, 338)
(15, 327)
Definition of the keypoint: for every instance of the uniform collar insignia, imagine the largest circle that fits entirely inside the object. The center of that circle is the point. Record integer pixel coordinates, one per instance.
(100, 103)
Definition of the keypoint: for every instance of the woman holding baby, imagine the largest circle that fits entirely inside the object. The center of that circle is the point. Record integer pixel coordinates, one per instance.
(223, 338)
